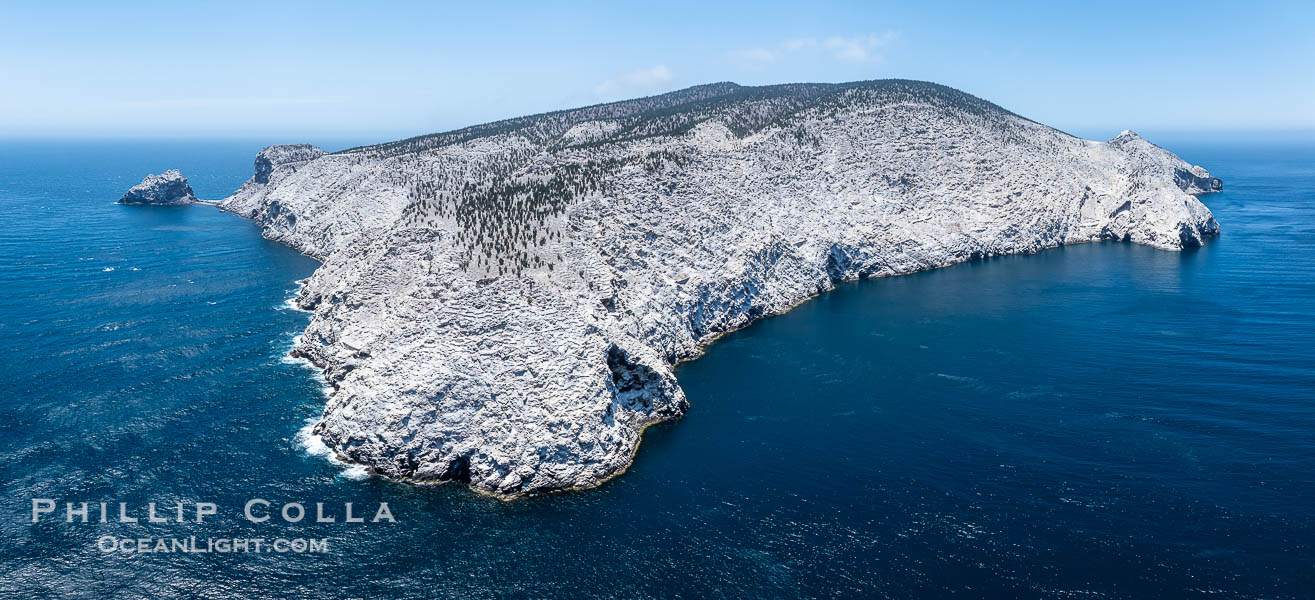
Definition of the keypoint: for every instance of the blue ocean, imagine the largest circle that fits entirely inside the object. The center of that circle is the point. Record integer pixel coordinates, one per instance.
(1098, 421)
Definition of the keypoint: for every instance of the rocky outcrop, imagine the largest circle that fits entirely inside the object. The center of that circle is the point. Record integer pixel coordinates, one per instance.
(282, 155)
(167, 188)
(503, 305)
(1160, 164)
(276, 162)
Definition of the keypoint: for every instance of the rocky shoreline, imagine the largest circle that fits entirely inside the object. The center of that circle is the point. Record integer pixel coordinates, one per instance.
(503, 305)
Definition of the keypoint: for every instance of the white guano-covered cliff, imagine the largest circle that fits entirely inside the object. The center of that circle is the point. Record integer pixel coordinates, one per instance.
(503, 305)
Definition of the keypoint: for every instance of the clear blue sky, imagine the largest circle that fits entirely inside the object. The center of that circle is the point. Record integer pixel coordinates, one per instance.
(382, 70)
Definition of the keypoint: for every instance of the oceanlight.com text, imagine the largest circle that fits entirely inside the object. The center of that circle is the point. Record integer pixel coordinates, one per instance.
(193, 545)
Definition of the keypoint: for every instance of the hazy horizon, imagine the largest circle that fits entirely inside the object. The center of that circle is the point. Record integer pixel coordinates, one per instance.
(296, 71)
(331, 141)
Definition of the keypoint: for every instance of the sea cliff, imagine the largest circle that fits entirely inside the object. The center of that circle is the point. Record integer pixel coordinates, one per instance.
(503, 305)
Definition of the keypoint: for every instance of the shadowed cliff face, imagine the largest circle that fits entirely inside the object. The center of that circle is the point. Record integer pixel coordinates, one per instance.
(1197, 181)
(502, 305)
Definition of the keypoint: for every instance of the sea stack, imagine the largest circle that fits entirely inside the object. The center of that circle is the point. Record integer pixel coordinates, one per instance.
(169, 188)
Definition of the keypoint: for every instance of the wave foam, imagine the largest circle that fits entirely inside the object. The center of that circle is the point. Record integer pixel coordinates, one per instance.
(314, 445)
(290, 303)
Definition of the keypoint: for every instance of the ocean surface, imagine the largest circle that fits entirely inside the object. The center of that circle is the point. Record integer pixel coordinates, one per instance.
(1098, 421)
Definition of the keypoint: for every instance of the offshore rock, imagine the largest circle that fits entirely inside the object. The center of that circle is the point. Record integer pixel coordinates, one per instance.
(167, 188)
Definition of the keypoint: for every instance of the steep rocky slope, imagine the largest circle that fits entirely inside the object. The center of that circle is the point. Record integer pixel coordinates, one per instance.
(503, 304)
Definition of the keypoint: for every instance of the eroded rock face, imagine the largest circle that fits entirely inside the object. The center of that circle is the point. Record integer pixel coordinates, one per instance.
(275, 162)
(1190, 178)
(286, 154)
(167, 188)
(503, 305)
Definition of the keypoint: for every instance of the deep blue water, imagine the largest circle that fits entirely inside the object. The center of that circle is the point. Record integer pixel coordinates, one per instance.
(1102, 421)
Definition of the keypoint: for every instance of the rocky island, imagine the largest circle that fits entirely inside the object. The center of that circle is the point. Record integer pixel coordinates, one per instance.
(503, 305)
(167, 188)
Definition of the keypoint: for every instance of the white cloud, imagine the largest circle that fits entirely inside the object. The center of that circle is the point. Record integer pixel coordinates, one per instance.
(755, 55)
(798, 44)
(206, 103)
(642, 78)
(649, 77)
(863, 48)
